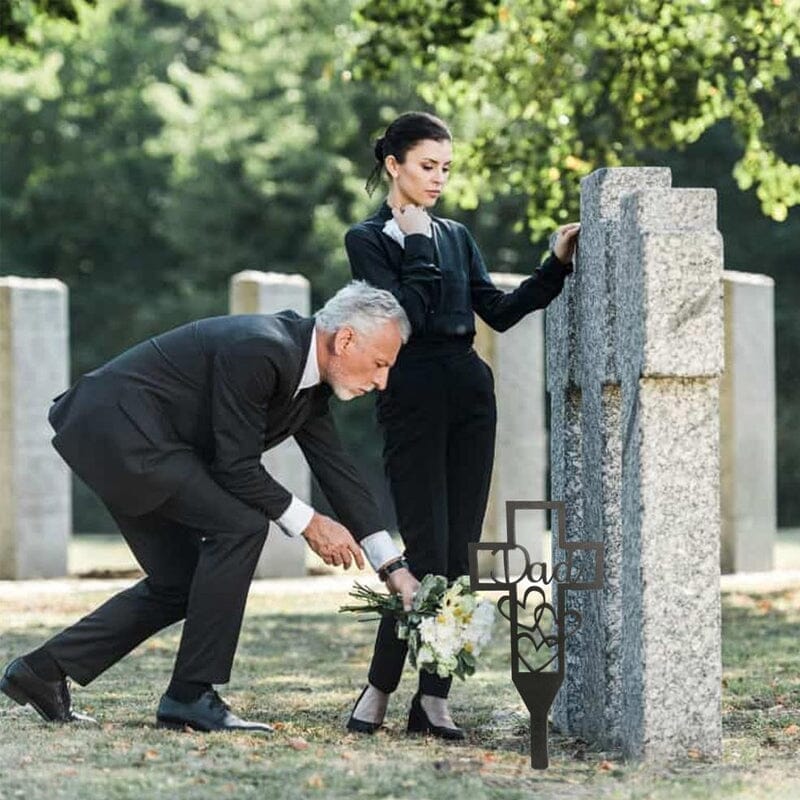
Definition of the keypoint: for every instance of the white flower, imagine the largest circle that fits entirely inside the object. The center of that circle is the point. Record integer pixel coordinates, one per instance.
(425, 655)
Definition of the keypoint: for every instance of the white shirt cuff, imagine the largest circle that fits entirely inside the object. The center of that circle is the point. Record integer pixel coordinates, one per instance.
(379, 549)
(296, 518)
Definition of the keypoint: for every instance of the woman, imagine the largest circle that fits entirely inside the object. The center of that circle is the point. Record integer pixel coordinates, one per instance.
(438, 412)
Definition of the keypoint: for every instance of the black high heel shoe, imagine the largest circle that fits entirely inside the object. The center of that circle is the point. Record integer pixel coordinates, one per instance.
(418, 722)
(359, 725)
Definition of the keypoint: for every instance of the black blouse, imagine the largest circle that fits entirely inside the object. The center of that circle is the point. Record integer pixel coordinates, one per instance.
(440, 281)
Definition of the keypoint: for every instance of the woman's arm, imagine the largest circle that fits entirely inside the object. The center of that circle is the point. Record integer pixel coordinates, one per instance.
(500, 310)
(416, 283)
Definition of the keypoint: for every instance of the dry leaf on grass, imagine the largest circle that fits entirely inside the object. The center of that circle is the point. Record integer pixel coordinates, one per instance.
(791, 730)
(298, 743)
(315, 782)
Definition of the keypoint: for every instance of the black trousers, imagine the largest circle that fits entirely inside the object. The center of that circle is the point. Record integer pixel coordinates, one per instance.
(439, 416)
(199, 551)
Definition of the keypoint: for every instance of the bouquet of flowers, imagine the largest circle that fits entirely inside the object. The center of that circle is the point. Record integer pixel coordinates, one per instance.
(446, 628)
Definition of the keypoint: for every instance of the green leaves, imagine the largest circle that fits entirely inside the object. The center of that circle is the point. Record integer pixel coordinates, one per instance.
(544, 92)
(17, 17)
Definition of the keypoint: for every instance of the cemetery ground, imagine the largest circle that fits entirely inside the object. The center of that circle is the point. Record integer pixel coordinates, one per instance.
(300, 665)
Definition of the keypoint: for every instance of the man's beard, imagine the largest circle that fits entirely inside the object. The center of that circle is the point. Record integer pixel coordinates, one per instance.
(342, 392)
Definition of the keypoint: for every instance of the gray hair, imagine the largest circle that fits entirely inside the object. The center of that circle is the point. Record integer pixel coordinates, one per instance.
(364, 308)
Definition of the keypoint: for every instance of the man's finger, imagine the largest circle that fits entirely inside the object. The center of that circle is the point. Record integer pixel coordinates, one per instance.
(357, 554)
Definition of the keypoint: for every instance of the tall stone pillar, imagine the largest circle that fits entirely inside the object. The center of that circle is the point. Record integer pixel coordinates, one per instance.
(520, 467)
(634, 347)
(35, 492)
(253, 292)
(747, 439)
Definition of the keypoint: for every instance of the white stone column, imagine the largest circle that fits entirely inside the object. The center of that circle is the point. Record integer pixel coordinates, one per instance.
(35, 488)
(520, 467)
(747, 424)
(253, 292)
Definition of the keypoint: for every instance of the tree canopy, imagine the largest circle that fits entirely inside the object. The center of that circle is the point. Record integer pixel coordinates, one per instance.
(543, 92)
(16, 17)
(152, 148)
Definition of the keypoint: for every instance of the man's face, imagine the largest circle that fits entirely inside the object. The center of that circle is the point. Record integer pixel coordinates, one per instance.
(360, 363)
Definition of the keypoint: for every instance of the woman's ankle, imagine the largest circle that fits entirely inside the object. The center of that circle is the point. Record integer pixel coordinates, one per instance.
(372, 705)
(437, 710)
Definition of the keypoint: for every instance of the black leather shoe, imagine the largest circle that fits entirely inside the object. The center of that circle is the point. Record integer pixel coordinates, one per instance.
(418, 722)
(51, 699)
(359, 725)
(208, 713)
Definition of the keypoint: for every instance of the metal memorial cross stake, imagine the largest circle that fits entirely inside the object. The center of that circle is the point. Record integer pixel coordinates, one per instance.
(538, 630)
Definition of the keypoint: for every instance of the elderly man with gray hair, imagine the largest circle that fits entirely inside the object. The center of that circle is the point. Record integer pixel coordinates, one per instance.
(169, 435)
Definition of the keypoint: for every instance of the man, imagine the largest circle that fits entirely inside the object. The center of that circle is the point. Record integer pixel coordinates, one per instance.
(170, 435)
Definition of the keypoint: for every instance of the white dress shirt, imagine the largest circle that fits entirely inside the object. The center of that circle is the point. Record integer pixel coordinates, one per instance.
(378, 547)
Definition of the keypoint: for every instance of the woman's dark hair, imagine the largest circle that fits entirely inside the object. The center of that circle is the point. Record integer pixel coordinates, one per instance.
(401, 136)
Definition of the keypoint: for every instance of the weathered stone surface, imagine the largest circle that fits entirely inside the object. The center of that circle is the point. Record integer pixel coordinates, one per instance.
(671, 644)
(681, 294)
(520, 468)
(634, 353)
(747, 436)
(35, 489)
(253, 292)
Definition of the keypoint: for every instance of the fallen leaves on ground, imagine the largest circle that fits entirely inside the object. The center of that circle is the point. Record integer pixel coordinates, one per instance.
(298, 743)
(315, 782)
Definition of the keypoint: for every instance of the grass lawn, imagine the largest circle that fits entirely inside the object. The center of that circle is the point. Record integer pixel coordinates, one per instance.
(300, 665)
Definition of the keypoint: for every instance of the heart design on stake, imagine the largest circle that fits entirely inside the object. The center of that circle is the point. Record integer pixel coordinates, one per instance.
(539, 629)
(536, 656)
(571, 622)
(503, 606)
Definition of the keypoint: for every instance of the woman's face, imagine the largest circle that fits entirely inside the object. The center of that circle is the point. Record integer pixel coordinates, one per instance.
(422, 176)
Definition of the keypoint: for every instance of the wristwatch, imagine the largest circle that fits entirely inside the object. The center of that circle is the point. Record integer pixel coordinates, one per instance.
(392, 566)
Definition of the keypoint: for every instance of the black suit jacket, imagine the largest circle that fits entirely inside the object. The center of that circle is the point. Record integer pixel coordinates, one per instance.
(220, 390)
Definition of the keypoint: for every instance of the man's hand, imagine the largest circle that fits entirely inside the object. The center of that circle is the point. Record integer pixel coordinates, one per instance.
(566, 241)
(332, 542)
(402, 582)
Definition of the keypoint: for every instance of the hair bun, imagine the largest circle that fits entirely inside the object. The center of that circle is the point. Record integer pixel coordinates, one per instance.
(379, 155)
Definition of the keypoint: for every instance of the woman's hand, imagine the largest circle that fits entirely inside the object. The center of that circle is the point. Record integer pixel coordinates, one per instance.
(412, 219)
(402, 582)
(566, 242)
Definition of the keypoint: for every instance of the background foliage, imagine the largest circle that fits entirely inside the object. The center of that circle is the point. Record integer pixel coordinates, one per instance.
(154, 147)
